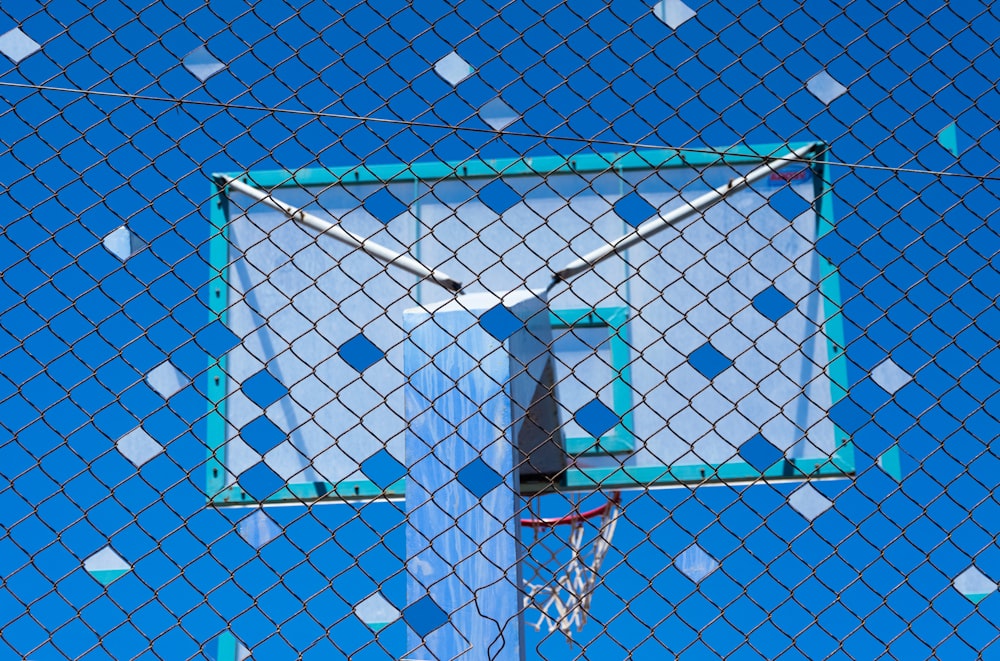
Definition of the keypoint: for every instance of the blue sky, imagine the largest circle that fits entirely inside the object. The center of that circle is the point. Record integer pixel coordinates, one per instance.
(80, 329)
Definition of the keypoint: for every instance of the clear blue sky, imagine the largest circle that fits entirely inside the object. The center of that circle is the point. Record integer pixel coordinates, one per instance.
(80, 330)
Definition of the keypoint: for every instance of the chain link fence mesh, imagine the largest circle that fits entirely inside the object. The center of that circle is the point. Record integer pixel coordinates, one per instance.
(209, 423)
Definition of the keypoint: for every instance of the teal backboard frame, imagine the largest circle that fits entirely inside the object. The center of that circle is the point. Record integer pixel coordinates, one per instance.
(621, 439)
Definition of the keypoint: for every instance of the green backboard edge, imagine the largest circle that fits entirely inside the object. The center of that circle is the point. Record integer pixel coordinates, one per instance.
(218, 287)
(829, 287)
(840, 464)
(645, 159)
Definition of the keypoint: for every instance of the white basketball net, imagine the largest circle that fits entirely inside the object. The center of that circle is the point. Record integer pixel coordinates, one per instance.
(563, 597)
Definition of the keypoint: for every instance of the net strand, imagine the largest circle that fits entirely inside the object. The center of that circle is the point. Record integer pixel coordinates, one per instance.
(563, 599)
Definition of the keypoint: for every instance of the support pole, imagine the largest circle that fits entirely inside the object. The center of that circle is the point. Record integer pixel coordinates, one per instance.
(479, 383)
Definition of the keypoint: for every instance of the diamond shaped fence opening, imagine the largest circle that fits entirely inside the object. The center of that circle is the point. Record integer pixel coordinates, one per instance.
(709, 361)
(260, 482)
(974, 585)
(17, 45)
(106, 566)
(166, 380)
(498, 114)
(809, 502)
(500, 322)
(634, 210)
(673, 12)
(264, 389)
(383, 469)
(479, 478)
(951, 138)
(596, 418)
(453, 68)
(759, 453)
(384, 205)
(825, 87)
(695, 563)
(258, 529)
(262, 434)
(424, 616)
(772, 304)
(498, 196)
(138, 447)
(377, 612)
(360, 353)
(890, 376)
(122, 243)
(202, 64)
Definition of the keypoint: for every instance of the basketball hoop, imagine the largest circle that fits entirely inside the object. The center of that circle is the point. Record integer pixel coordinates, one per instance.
(562, 597)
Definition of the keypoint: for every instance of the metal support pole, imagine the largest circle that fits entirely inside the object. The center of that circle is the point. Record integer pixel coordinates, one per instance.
(660, 223)
(376, 250)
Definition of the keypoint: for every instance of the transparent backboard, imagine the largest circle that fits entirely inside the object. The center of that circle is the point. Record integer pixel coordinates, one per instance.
(712, 352)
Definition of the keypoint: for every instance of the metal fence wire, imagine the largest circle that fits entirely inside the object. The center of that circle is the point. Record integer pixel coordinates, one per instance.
(429, 330)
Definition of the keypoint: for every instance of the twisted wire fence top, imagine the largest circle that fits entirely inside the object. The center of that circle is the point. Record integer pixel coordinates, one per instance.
(208, 432)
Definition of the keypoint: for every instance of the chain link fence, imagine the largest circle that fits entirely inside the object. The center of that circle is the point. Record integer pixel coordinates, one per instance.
(319, 336)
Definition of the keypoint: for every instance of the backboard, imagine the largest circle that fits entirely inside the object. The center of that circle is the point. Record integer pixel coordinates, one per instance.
(712, 352)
